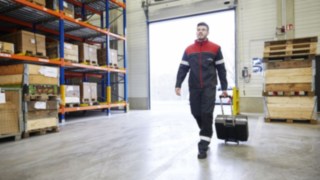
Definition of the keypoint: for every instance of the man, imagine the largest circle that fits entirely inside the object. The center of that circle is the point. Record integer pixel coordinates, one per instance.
(203, 59)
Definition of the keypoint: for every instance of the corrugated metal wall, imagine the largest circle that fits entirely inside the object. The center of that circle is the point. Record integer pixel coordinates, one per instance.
(138, 84)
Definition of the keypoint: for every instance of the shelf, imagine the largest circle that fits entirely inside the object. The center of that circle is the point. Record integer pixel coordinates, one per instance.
(88, 68)
(27, 14)
(10, 57)
(95, 107)
(23, 14)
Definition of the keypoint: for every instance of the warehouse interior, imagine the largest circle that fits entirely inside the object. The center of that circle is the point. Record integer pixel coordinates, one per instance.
(91, 93)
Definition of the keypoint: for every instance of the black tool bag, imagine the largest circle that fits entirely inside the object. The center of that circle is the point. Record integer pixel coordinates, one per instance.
(231, 128)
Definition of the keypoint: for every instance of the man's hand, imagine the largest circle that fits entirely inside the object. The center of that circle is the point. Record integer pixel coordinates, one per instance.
(178, 91)
(224, 93)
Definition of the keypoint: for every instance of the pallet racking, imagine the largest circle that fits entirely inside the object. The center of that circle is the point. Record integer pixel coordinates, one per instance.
(18, 14)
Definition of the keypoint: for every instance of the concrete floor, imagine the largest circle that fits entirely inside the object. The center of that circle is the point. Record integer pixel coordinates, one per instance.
(161, 144)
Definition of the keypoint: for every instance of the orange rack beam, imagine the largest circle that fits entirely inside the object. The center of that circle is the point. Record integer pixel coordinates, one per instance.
(69, 64)
(74, 109)
(28, 58)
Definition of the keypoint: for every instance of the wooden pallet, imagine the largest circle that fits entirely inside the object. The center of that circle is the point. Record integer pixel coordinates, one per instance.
(89, 62)
(6, 52)
(289, 64)
(292, 41)
(15, 137)
(288, 93)
(290, 49)
(29, 53)
(42, 131)
(40, 97)
(72, 105)
(289, 57)
(289, 87)
(305, 121)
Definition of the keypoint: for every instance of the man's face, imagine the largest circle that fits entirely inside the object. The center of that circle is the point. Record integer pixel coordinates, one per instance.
(202, 32)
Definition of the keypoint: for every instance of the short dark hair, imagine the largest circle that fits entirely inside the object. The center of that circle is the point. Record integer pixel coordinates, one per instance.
(203, 24)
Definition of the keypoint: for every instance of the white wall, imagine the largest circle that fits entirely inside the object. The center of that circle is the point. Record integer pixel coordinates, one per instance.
(137, 43)
(307, 19)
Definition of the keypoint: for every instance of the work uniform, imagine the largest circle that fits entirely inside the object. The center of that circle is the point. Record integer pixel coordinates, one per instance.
(203, 59)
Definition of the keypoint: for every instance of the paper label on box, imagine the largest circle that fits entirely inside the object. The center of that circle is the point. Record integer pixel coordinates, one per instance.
(2, 98)
(69, 88)
(90, 49)
(65, 4)
(49, 71)
(33, 41)
(67, 46)
(40, 105)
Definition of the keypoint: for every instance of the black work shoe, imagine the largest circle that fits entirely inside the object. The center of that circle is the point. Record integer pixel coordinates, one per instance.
(202, 155)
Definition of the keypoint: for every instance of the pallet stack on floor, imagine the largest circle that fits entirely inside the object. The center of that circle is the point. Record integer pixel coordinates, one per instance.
(40, 87)
(11, 123)
(289, 80)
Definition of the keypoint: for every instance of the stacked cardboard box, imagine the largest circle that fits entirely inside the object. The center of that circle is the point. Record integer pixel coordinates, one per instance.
(68, 8)
(72, 94)
(11, 112)
(70, 51)
(102, 57)
(29, 74)
(39, 83)
(289, 80)
(88, 53)
(88, 92)
(6, 47)
(28, 43)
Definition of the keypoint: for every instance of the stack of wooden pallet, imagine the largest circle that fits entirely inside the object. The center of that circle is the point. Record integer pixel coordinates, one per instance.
(40, 95)
(289, 80)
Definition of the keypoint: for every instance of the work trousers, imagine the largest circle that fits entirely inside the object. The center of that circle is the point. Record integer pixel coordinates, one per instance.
(202, 103)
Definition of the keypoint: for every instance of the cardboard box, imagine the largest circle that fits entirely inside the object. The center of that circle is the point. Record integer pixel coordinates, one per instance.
(88, 53)
(27, 42)
(85, 91)
(72, 94)
(102, 59)
(68, 8)
(39, 2)
(89, 92)
(10, 112)
(41, 105)
(6, 47)
(71, 52)
(20, 74)
(94, 92)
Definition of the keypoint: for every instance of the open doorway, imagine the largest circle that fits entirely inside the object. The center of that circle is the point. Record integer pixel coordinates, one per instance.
(167, 42)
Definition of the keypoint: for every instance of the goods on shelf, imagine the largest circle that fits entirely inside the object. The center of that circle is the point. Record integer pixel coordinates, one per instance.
(39, 2)
(71, 52)
(40, 114)
(28, 43)
(102, 57)
(88, 53)
(88, 92)
(20, 74)
(68, 8)
(72, 94)
(6, 47)
(10, 110)
(40, 89)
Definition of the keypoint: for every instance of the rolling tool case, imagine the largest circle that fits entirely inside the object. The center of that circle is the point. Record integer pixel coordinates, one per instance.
(231, 128)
